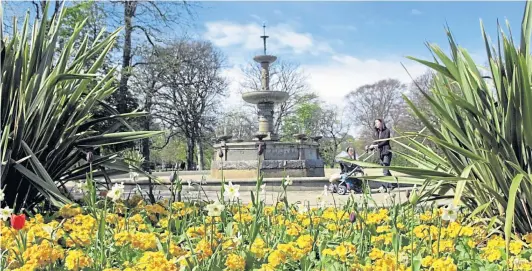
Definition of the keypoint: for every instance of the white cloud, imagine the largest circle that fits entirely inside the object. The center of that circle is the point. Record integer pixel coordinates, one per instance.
(343, 73)
(332, 76)
(246, 36)
(416, 12)
(338, 75)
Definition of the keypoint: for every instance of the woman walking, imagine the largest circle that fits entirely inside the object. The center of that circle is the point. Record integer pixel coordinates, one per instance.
(385, 150)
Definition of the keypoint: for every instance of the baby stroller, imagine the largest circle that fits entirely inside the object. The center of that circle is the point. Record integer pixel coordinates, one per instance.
(348, 178)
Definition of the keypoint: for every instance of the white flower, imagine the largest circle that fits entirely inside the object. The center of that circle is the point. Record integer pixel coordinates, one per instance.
(50, 230)
(325, 191)
(237, 239)
(214, 209)
(116, 192)
(321, 201)
(231, 191)
(5, 213)
(450, 213)
(263, 188)
(288, 181)
(81, 186)
(133, 176)
(2, 195)
(301, 208)
(403, 258)
(382, 189)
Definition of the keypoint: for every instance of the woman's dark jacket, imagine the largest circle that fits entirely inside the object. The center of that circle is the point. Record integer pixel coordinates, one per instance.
(383, 146)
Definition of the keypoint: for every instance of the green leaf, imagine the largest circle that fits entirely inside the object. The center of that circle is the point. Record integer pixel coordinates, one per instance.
(510, 211)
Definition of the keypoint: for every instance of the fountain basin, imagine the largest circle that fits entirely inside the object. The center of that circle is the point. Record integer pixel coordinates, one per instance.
(257, 97)
(280, 159)
(265, 59)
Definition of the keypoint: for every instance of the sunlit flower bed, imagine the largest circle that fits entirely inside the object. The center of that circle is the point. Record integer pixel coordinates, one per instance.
(114, 234)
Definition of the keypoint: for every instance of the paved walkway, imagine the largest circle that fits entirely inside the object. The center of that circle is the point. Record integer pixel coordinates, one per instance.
(304, 190)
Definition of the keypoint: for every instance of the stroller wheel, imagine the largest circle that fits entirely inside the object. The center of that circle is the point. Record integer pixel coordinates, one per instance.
(342, 189)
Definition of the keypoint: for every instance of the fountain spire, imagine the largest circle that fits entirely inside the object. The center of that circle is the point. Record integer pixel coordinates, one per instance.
(264, 37)
(265, 99)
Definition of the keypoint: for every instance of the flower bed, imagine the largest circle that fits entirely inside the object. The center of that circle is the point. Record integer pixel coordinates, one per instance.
(113, 234)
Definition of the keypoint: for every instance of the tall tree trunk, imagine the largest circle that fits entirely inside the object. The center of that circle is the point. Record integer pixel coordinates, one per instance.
(146, 126)
(335, 151)
(129, 12)
(190, 153)
(201, 155)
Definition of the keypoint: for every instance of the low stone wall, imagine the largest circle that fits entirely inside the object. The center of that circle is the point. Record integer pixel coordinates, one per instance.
(268, 168)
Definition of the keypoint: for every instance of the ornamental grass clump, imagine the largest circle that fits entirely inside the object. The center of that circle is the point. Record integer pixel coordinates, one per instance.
(483, 128)
(48, 95)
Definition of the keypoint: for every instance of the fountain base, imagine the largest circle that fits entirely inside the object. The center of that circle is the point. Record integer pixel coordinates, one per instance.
(280, 159)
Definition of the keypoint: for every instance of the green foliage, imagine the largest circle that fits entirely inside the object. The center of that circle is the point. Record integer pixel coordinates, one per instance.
(46, 102)
(133, 157)
(484, 128)
(306, 120)
(174, 152)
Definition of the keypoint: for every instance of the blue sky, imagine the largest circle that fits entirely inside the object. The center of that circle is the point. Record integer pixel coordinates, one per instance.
(342, 45)
(371, 28)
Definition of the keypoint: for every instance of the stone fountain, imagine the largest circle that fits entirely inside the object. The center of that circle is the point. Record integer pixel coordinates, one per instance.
(265, 154)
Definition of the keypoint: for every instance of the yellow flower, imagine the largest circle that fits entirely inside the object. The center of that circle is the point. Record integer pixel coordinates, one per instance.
(427, 261)
(383, 229)
(492, 254)
(42, 254)
(193, 232)
(376, 254)
(269, 210)
(122, 238)
(235, 262)
(332, 227)
(426, 217)
(444, 246)
(258, 248)
(515, 247)
(144, 241)
(276, 258)
(528, 238)
(267, 267)
(294, 229)
(496, 241)
(204, 249)
(176, 250)
(446, 264)
(305, 242)
(155, 261)
(178, 205)
(400, 226)
(328, 252)
(69, 211)
(243, 218)
(77, 260)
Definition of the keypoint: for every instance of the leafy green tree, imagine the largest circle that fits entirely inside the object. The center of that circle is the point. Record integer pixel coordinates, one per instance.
(45, 110)
(306, 120)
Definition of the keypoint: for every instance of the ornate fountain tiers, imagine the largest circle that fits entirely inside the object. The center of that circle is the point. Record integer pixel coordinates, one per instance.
(257, 97)
(265, 59)
(277, 159)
